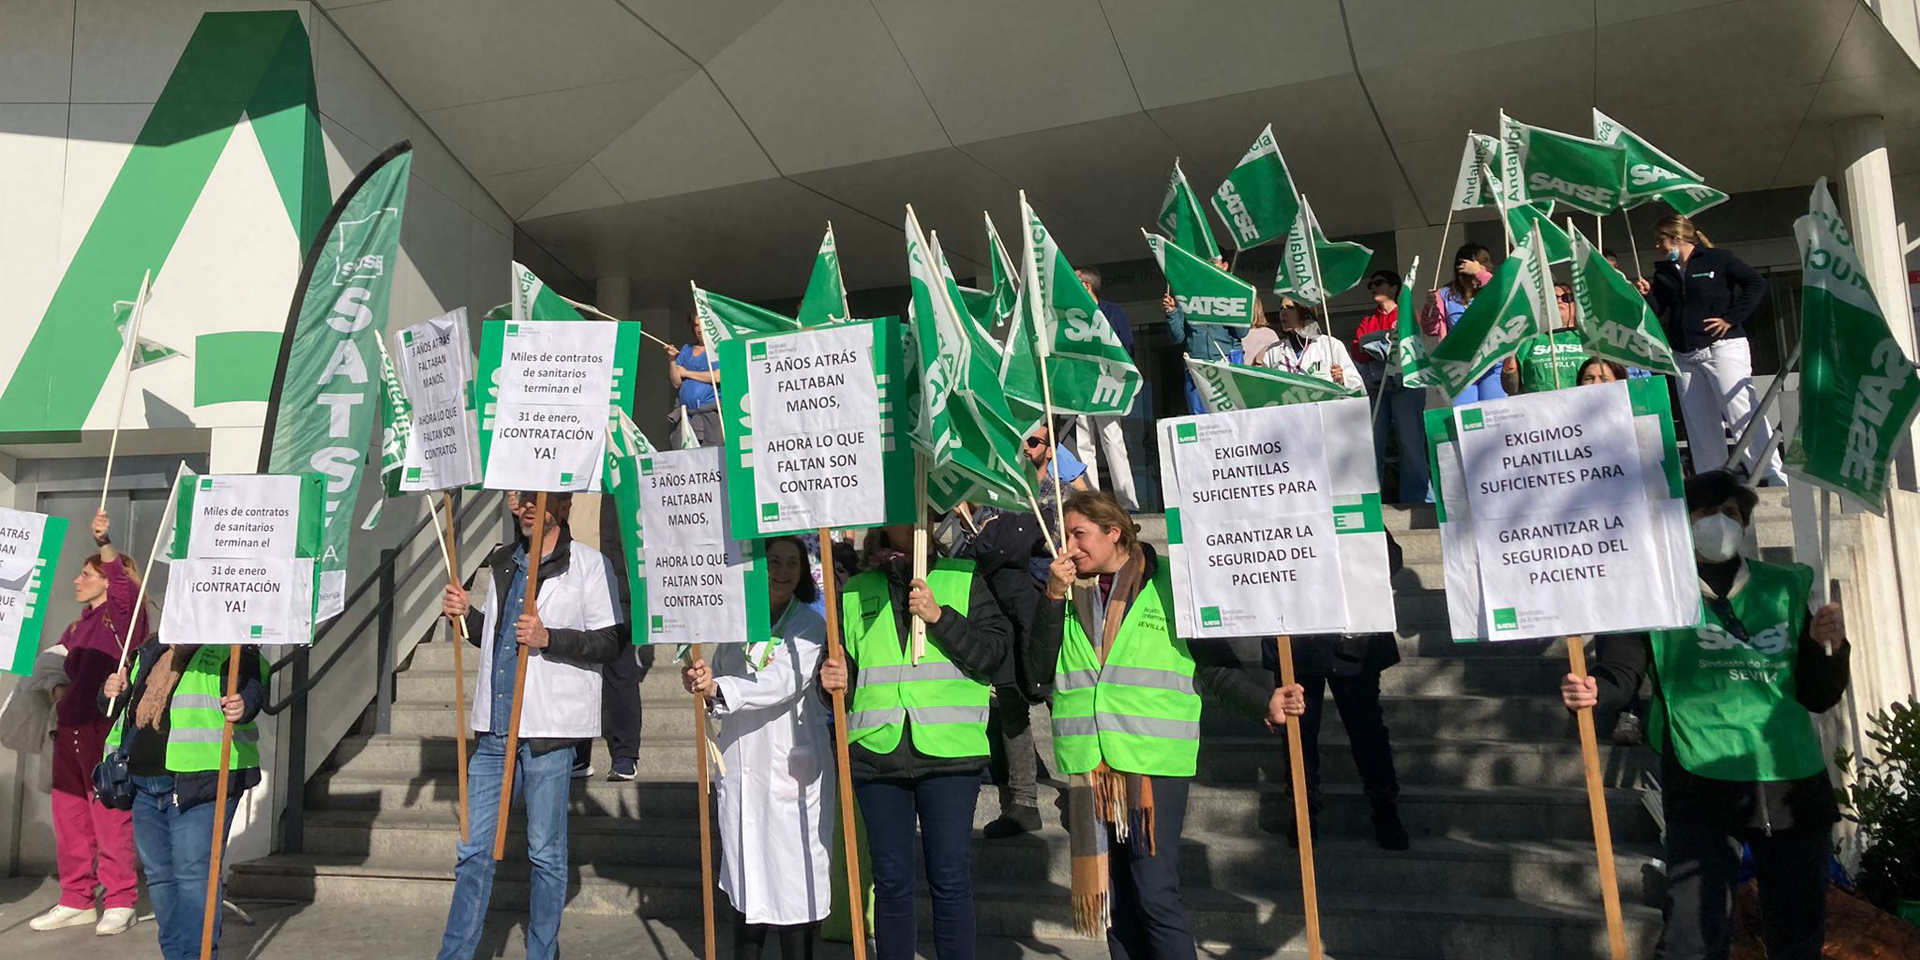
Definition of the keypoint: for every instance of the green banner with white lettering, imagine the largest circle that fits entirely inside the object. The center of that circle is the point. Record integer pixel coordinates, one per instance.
(1258, 201)
(1652, 175)
(1541, 164)
(1516, 304)
(1613, 318)
(1205, 292)
(1858, 390)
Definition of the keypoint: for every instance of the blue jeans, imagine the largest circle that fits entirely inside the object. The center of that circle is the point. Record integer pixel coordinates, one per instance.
(1403, 411)
(176, 849)
(944, 805)
(543, 782)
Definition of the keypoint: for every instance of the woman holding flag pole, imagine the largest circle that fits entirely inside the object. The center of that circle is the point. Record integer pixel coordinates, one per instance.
(1126, 724)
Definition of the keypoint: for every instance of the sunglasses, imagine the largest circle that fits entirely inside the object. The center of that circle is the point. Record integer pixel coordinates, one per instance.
(1035, 443)
(1566, 297)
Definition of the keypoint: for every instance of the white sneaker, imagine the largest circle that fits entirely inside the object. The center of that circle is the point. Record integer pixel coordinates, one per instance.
(63, 916)
(115, 920)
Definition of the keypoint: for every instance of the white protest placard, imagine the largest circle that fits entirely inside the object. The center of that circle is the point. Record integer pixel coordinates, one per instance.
(1556, 508)
(554, 380)
(817, 440)
(434, 365)
(29, 549)
(1274, 522)
(238, 574)
(702, 586)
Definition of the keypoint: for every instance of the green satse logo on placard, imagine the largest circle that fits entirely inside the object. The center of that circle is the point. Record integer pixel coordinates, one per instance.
(413, 474)
(1209, 616)
(406, 337)
(565, 479)
(769, 511)
(1505, 618)
(255, 631)
(1187, 432)
(757, 350)
(513, 329)
(659, 623)
(646, 467)
(1471, 419)
(206, 483)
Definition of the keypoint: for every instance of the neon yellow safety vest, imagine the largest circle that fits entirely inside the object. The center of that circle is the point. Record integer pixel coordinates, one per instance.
(1139, 712)
(948, 708)
(1726, 704)
(194, 720)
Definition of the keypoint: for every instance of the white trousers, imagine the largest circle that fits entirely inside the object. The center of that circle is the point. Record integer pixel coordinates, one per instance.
(1114, 442)
(1716, 394)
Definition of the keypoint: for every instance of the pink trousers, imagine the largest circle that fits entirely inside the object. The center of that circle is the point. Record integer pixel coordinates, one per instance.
(86, 833)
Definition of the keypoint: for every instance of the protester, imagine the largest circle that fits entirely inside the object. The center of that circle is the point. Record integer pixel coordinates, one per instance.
(170, 723)
(1547, 361)
(1741, 763)
(1049, 459)
(1261, 335)
(619, 720)
(1300, 347)
(1704, 296)
(1473, 267)
(776, 745)
(93, 843)
(1002, 544)
(1399, 410)
(695, 375)
(1202, 341)
(1350, 665)
(1130, 761)
(1111, 432)
(562, 707)
(917, 734)
(1600, 370)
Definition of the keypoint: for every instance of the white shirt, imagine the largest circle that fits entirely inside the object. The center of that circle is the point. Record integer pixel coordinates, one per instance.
(562, 697)
(1316, 357)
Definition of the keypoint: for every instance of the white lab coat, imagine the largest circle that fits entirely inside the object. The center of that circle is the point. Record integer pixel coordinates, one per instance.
(563, 697)
(776, 810)
(1316, 358)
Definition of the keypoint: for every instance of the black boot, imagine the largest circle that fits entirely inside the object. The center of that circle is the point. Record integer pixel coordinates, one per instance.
(1388, 831)
(1013, 821)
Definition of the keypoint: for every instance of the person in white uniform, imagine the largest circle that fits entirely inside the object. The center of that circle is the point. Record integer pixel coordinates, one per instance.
(1302, 348)
(775, 812)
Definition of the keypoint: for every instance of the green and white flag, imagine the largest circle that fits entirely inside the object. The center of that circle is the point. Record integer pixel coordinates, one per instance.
(1472, 188)
(1858, 389)
(29, 567)
(396, 434)
(126, 319)
(1059, 323)
(1516, 304)
(534, 300)
(626, 447)
(1540, 164)
(1312, 270)
(1613, 318)
(1206, 293)
(1524, 219)
(993, 306)
(323, 408)
(941, 347)
(1652, 175)
(990, 434)
(1233, 386)
(1183, 220)
(1409, 343)
(723, 318)
(826, 297)
(1258, 202)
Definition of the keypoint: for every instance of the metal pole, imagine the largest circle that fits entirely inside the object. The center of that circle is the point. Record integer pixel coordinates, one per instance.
(383, 702)
(293, 836)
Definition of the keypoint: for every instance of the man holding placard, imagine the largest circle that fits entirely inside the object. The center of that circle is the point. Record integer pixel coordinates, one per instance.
(1732, 709)
(575, 627)
(1126, 724)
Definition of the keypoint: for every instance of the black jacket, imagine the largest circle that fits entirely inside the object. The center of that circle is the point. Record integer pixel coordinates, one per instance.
(587, 647)
(1716, 284)
(147, 748)
(977, 642)
(1623, 660)
(1000, 551)
(1216, 669)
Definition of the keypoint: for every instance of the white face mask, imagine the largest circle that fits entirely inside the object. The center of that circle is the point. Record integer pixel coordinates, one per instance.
(1716, 538)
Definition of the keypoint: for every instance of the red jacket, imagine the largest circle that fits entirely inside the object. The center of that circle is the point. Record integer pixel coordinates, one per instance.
(1375, 322)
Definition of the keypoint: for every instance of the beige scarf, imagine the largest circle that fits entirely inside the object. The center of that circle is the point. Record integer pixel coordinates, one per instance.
(1105, 796)
(161, 679)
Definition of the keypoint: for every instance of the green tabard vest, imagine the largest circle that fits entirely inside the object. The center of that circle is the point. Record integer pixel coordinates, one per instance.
(1539, 356)
(948, 708)
(1140, 711)
(194, 718)
(1728, 706)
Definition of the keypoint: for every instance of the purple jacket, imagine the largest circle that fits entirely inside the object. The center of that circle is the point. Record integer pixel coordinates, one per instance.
(93, 646)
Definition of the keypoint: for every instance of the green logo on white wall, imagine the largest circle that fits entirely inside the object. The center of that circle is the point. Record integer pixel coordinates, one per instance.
(256, 64)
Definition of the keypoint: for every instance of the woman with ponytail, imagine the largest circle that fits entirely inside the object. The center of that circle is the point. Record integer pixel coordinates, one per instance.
(1704, 296)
